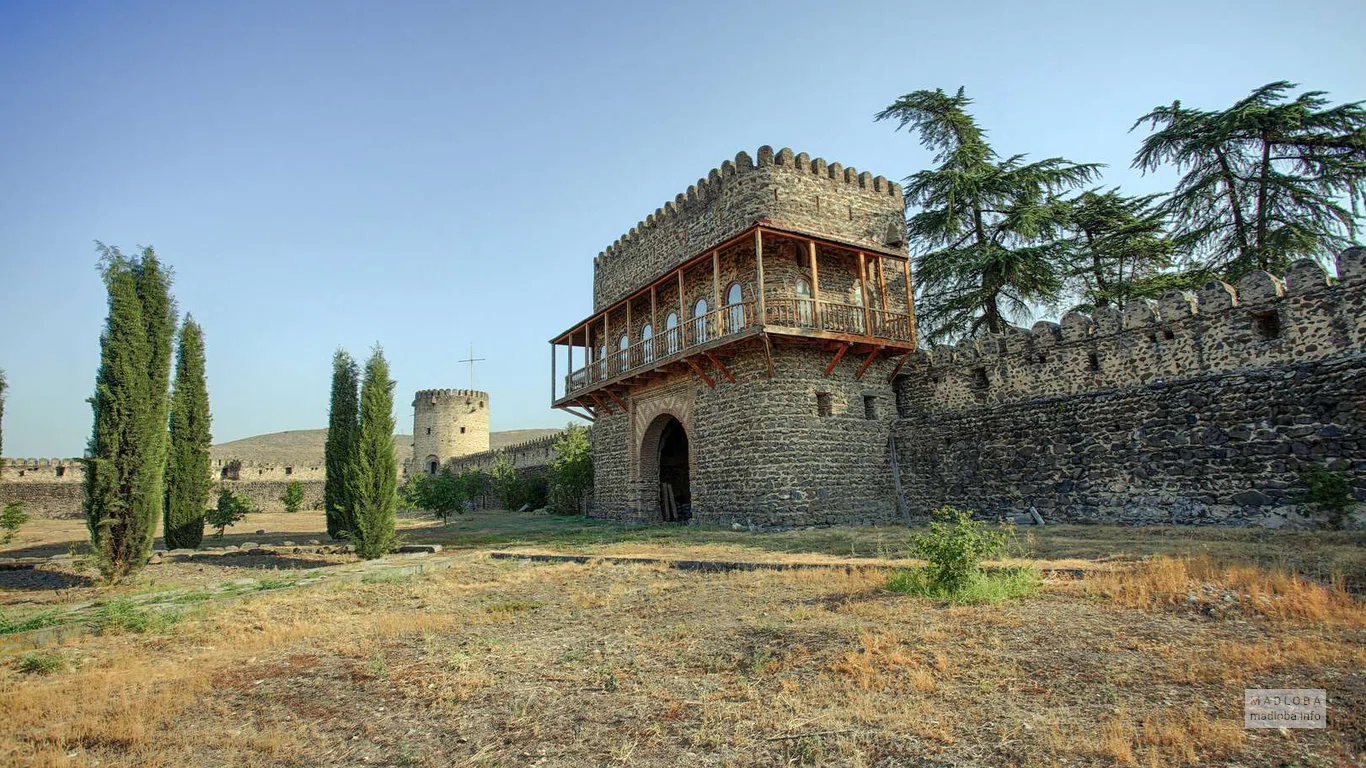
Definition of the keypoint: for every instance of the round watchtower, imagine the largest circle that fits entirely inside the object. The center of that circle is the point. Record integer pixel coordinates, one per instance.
(448, 423)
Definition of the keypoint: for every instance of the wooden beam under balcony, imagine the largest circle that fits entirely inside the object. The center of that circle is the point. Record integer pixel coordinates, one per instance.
(710, 384)
(843, 348)
(871, 357)
(720, 367)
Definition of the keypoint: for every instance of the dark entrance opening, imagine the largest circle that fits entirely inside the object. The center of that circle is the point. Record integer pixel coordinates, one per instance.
(673, 473)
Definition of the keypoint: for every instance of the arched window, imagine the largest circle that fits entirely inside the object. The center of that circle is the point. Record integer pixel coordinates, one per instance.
(623, 346)
(805, 306)
(647, 350)
(671, 333)
(735, 309)
(858, 302)
(699, 313)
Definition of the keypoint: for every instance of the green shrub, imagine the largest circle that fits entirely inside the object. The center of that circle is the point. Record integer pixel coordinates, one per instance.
(11, 517)
(571, 473)
(231, 508)
(993, 586)
(955, 545)
(293, 497)
(39, 662)
(1330, 491)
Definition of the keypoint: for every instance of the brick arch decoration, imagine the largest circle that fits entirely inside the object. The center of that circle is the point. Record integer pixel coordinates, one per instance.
(647, 420)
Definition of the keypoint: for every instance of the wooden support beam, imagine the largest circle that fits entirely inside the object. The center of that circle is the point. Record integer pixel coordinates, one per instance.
(843, 348)
(721, 367)
(552, 373)
(871, 357)
(910, 304)
(624, 407)
(863, 290)
(716, 279)
(759, 266)
(815, 286)
(584, 416)
(899, 363)
(710, 384)
(768, 355)
(601, 404)
(654, 322)
(881, 283)
(682, 340)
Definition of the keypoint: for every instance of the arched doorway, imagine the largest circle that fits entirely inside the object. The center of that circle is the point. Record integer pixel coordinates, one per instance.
(665, 468)
(433, 466)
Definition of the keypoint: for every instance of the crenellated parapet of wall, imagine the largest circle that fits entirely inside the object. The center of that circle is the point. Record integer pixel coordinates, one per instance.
(782, 190)
(42, 470)
(1203, 407)
(1264, 320)
(531, 454)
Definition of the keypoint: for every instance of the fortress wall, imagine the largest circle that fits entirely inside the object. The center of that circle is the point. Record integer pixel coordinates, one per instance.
(55, 488)
(531, 454)
(781, 189)
(1203, 407)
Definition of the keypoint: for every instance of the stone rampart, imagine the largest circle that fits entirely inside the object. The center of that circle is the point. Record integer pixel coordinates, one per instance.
(531, 454)
(1203, 407)
(782, 190)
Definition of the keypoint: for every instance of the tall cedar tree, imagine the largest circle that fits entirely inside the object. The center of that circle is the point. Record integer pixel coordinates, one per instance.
(989, 231)
(1264, 182)
(127, 452)
(1122, 250)
(373, 492)
(188, 482)
(339, 453)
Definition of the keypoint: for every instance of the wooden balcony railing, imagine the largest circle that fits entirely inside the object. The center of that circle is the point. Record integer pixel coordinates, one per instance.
(724, 322)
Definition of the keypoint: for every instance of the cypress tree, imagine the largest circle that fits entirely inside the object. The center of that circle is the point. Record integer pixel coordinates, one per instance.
(340, 449)
(187, 476)
(373, 491)
(127, 453)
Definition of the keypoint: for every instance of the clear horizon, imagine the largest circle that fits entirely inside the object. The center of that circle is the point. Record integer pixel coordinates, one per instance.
(431, 176)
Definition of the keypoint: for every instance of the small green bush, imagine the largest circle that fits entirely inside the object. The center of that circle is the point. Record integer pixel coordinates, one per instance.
(571, 473)
(955, 545)
(1330, 491)
(36, 621)
(40, 662)
(982, 587)
(230, 509)
(11, 517)
(293, 497)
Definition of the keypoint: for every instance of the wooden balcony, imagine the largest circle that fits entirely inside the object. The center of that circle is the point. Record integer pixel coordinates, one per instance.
(870, 328)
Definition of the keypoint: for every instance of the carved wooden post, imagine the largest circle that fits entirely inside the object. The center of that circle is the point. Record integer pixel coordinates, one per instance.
(863, 290)
(815, 286)
(759, 267)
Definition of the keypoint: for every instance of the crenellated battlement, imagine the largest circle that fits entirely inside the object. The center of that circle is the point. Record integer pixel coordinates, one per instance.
(441, 394)
(783, 189)
(1264, 320)
(537, 452)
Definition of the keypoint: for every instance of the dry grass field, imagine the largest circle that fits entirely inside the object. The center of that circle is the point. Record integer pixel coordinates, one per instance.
(506, 663)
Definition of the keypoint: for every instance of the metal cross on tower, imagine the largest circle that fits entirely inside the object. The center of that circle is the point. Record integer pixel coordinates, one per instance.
(472, 360)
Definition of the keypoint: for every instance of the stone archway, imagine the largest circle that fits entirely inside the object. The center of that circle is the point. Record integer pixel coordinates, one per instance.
(665, 468)
(432, 465)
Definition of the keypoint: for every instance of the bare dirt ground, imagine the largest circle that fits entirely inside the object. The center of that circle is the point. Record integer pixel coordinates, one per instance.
(500, 663)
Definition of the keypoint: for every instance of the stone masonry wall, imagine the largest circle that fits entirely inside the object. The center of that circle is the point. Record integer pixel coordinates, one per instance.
(54, 488)
(448, 423)
(525, 455)
(760, 451)
(786, 191)
(1200, 408)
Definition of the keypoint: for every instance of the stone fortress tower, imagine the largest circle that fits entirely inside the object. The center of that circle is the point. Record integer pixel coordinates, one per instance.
(448, 423)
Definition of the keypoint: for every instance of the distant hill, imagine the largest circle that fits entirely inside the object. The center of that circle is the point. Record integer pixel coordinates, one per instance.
(304, 447)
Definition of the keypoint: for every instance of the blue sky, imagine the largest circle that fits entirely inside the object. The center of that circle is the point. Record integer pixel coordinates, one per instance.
(434, 175)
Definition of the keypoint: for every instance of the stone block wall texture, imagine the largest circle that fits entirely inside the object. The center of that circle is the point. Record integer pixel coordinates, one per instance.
(54, 488)
(448, 423)
(530, 454)
(783, 190)
(1201, 408)
(760, 452)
